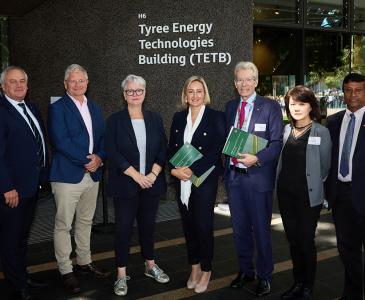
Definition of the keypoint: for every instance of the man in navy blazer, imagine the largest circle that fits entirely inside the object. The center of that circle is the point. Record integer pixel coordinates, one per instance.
(250, 179)
(345, 183)
(23, 167)
(76, 130)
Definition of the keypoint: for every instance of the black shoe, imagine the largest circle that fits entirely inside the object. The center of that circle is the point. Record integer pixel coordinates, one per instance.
(263, 288)
(240, 280)
(91, 269)
(307, 294)
(35, 284)
(71, 283)
(23, 294)
(293, 292)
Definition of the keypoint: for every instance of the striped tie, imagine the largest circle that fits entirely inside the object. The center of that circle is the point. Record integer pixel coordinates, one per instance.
(37, 135)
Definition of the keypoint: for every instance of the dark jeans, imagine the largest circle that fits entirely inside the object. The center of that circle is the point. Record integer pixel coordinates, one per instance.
(300, 223)
(143, 208)
(350, 233)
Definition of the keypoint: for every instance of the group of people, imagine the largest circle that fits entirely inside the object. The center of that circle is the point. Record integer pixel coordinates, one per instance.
(302, 164)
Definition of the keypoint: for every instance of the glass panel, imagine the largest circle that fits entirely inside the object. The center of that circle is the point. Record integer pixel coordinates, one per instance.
(327, 63)
(276, 11)
(359, 14)
(325, 14)
(275, 53)
(358, 57)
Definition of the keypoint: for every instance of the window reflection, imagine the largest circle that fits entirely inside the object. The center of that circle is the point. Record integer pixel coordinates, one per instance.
(359, 14)
(276, 11)
(325, 15)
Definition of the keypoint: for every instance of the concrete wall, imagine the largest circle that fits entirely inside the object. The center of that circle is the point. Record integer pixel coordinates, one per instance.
(104, 36)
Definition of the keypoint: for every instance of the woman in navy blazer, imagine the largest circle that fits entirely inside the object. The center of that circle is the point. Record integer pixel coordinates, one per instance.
(204, 128)
(136, 148)
(303, 166)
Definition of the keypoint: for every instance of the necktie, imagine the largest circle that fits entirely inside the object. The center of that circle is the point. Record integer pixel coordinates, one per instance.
(37, 135)
(241, 120)
(346, 148)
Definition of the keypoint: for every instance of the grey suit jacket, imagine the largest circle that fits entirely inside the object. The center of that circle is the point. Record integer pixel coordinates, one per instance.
(318, 161)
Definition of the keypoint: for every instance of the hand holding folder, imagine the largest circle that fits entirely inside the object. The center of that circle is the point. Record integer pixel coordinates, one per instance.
(185, 157)
(240, 141)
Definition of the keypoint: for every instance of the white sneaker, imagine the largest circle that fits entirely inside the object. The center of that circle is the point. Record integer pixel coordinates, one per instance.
(120, 286)
(158, 274)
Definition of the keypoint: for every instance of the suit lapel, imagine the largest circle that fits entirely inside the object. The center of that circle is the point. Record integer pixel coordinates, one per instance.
(257, 108)
(12, 110)
(127, 124)
(233, 112)
(72, 106)
(150, 133)
(361, 135)
(202, 125)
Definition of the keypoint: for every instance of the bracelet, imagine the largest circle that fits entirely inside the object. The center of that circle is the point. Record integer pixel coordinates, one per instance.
(154, 174)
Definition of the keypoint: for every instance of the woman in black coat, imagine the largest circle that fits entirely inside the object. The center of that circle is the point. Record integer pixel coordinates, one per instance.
(136, 147)
(204, 128)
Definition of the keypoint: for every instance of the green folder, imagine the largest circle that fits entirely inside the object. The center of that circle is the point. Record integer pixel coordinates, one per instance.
(240, 141)
(185, 157)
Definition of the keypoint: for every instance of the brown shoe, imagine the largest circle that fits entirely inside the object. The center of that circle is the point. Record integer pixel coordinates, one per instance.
(91, 269)
(71, 283)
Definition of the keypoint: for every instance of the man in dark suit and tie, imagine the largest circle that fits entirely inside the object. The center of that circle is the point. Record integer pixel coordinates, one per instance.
(345, 183)
(76, 130)
(23, 167)
(250, 179)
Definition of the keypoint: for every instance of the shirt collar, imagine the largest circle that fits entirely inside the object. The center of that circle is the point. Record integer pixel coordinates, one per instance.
(76, 101)
(250, 99)
(12, 101)
(358, 114)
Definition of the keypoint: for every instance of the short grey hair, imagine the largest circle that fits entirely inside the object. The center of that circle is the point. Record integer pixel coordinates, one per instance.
(247, 65)
(73, 68)
(8, 69)
(133, 78)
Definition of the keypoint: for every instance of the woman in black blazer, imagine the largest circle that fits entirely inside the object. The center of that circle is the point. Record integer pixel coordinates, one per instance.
(136, 147)
(204, 128)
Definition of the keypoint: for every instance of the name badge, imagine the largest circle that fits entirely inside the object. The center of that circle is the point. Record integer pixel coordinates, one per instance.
(314, 140)
(260, 127)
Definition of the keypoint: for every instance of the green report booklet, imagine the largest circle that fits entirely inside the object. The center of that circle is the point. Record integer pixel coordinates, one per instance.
(240, 141)
(185, 157)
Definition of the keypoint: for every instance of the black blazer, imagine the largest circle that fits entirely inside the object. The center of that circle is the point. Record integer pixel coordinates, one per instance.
(208, 138)
(122, 152)
(358, 164)
(19, 167)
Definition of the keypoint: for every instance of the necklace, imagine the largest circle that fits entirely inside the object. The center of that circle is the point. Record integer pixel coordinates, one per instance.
(302, 127)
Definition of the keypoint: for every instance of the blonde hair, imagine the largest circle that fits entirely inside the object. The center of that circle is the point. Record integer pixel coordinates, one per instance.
(186, 86)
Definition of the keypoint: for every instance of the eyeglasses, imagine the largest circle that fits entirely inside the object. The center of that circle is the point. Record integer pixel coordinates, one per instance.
(137, 92)
(74, 82)
(355, 91)
(245, 80)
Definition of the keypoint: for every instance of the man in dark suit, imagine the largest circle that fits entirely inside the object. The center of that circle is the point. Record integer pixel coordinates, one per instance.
(23, 167)
(76, 130)
(250, 179)
(345, 183)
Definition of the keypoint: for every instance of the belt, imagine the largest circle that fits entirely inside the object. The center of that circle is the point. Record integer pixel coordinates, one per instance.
(345, 183)
(239, 170)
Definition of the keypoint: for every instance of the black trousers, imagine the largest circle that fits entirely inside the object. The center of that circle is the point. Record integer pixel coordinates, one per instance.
(197, 221)
(15, 226)
(350, 233)
(143, 208)
(300, 223)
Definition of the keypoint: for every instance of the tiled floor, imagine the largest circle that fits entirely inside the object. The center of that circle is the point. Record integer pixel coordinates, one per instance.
(171, 256)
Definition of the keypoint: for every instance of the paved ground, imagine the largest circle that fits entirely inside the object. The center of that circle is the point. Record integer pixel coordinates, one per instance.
(171, 256)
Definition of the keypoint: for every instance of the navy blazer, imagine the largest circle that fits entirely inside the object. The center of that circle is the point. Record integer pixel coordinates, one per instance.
(208, 138)
(122, 152)
(334, 123)
(268, 112)
(19, 167)
(70, 140)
